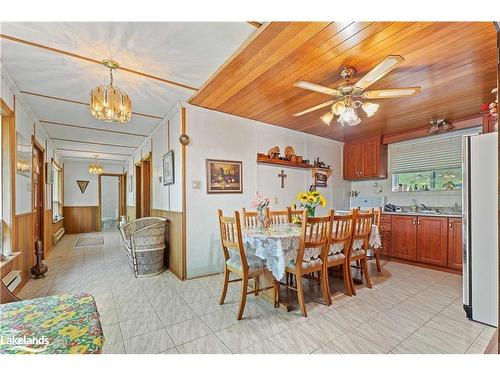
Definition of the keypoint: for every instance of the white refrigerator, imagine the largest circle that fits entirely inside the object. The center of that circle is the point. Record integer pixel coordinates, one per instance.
(480, 227)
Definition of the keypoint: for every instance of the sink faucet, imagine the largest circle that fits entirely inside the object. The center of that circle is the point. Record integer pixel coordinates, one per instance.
(456, 208)
(425, 207)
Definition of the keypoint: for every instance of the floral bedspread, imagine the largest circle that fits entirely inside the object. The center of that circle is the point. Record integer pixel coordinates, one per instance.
(60, 324)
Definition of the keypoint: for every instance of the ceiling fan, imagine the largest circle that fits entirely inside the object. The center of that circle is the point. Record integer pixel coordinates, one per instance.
(348, 97)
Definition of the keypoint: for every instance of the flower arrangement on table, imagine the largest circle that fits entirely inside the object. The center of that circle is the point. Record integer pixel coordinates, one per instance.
(309, 200)
(261, 205)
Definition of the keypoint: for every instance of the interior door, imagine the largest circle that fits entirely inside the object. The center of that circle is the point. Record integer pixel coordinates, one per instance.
(432, 240)
(138, 195)
(38, 198)
(146, 188)
(404, 237)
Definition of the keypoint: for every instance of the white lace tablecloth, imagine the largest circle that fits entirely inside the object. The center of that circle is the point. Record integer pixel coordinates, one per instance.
(278, 245)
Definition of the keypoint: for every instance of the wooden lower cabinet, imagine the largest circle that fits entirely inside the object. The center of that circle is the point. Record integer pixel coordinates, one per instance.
(404, 237)
(424, 239)
(455, 243)
(432, 247)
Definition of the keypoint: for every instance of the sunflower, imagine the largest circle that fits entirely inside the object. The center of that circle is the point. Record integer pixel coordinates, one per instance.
(311, 199)
(322, 201)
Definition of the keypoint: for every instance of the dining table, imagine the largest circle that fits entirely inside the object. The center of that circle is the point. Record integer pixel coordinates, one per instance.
(278, 246)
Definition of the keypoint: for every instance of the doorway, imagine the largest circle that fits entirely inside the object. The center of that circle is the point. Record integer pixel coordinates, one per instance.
(111, 201)
(38, 190)
(143, 188)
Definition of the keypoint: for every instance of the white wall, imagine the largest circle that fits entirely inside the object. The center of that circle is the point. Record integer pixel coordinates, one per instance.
(163, 138)
(76, 170)
(220, 136)
(27, 125)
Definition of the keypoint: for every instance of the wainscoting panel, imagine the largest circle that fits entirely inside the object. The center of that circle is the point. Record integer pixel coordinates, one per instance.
(175, 240)
(24, 243)
(81, 219)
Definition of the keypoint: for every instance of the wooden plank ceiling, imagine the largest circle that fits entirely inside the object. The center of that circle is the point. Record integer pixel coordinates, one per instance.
(455, 63)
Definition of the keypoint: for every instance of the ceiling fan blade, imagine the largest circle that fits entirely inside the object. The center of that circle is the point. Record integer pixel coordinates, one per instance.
(316, 88)
(391, 93)
(382, 68)
(319, 106)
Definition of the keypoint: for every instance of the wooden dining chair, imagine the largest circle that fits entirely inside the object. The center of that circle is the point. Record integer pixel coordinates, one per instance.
(362, 227)
(315, 234)
(293, 213)
(339, 248)
(250, 218)
(279, 217)
(236, 261)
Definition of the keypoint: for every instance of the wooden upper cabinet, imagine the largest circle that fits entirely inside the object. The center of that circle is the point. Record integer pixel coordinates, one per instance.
(432, 240)
(365, 159)
(404, 237)
(455, 243)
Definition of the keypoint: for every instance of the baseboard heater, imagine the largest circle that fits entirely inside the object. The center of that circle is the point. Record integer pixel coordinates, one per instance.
(12, 280)
(57, 235)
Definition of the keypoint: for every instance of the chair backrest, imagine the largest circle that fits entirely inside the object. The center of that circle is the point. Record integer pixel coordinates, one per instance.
(342, 231)
(250, 218)
(231, 237)
(377, 215)
(279, 217)
(362, 226)
(315, 233)
(293, 213)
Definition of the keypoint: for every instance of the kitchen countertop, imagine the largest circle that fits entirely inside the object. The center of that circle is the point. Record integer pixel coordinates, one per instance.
(440, 214)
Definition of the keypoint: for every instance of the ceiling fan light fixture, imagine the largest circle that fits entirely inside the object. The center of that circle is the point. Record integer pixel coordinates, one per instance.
(370, 108)
(382, 68)
(349, 117)
(338, 108)
(327, 118)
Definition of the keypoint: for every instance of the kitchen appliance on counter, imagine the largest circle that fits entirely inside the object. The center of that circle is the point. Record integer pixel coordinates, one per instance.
(365, 203)
(480, 227)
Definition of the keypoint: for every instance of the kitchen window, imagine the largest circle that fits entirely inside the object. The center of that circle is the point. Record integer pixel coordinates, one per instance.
(432, 163)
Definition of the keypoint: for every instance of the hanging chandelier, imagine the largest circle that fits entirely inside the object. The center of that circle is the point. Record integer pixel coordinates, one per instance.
(95, 168)
(109, 103)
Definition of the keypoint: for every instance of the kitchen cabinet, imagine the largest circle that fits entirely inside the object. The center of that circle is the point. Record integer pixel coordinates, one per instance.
(455, 243)
(434, 240)
(404, 237)
(432, 243)
(365, 159)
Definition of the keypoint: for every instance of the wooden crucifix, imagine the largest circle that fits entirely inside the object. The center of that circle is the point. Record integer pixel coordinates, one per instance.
(282, 175)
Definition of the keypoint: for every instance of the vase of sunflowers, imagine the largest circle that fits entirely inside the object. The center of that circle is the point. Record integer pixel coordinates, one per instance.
(309, 200)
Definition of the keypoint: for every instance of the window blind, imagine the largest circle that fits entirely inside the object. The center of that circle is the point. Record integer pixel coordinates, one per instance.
(430, 153)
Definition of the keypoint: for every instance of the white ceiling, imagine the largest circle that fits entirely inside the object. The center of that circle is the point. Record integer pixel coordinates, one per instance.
(187, 53)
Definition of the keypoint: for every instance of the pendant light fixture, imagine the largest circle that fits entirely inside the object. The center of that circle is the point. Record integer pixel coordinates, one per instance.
(109, 103)
(95, 168)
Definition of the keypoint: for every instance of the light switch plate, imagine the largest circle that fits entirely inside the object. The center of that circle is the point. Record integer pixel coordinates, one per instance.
(196, 184)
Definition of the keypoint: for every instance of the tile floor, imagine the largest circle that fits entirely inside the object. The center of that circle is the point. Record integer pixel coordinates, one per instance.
(409, 310)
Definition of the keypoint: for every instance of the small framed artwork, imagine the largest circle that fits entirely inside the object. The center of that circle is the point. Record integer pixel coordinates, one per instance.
(23, 155)
(320, 179)
(224, 176)
(168, 168)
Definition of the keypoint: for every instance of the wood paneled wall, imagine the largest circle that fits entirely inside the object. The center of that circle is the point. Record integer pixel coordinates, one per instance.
(175, 240)
(81, 219)
(49, 229)
(23, 242)
(131, 213)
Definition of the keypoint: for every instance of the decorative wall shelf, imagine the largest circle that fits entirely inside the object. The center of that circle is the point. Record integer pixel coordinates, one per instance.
(264, 159)
(327, 171)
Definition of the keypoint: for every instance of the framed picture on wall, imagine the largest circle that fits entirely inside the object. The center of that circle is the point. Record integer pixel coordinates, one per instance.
(49, 173)
(224, 176)
(320, 179)
(23, 155)
(168, 168)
